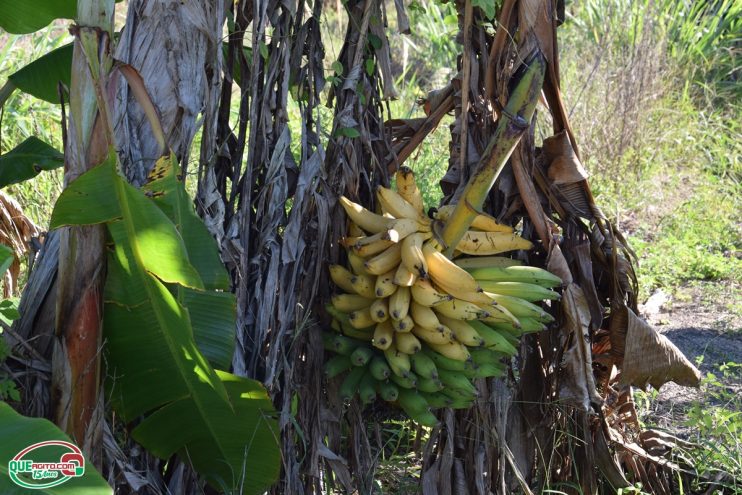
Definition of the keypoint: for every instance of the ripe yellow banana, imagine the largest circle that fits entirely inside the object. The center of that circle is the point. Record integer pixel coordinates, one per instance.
(481, 222)
(442, 335)
(379, 310)
(354, 230)
(407, 188)
(368, 250)
(477, 297)
(402, 228)
(424, 316)
(412, 254)
(486, 243)
(384, 284)
(404, 277)
(343, 278)
(361, 318)
(461, 310)
(364, 218)
(364, 285)
(452, 350)
(425, 294)
(405, 325)
(399, 303)
(356, 263)
(463, 332)
(395, 204)
(407, 343)
(346, 303)
(382, 263)
(383, 335)
(445, 273)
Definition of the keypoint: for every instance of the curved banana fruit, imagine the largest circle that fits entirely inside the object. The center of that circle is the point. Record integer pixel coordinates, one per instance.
(383, 335)
(404, 325)
(407, 342)
(371, 245)
(382, 263)
(364, 285)
(451, 350)
(425, 294)
(529, 292)
(486, 243)
(486, 262)
(424, 316)
(401, 228)
(343, 278)
(528, 274)
(346, 303)
(404, 277)
(463, 332)
(407, 188)
(448, 275)
(395, 204)
(412, 254)
(399, 303)
(385, 286)
(356, 263)
(379, 310)
(482, 221)
(461, 310)
(398, 361)
(441, 335)
(364, 218)
(361, 319)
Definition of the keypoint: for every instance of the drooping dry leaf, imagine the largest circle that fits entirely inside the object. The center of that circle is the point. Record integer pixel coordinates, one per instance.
(577, 386)
(651, 358)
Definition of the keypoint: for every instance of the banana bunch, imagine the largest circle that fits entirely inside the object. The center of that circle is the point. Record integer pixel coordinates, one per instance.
(414, 327)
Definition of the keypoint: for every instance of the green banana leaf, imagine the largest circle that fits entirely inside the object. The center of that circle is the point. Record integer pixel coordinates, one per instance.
(27, 160)
(20, 17)
(18, 432)
(6, 258)
(41, 77)
(224, 425)
(166, 187)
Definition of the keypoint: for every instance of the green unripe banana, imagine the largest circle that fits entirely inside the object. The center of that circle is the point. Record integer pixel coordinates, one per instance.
(361, 355)
(367, 388)
(388, 391)
(456, 381)
(424, 366)
(493, 339)
(379, 369)
(412, 402)
(350, 384)
(442, 361)
(336, 365)
(437, 400)
(407, 382)
(429, 385)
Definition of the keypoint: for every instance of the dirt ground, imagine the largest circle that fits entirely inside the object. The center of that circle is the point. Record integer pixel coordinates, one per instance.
(701, 320)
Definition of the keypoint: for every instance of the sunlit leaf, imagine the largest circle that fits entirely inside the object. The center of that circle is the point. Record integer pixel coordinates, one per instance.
(41, 77)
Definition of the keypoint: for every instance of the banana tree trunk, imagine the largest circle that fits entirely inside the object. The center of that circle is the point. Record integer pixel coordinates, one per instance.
(76, 355)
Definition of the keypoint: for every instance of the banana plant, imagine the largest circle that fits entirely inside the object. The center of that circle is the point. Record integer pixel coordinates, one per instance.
(164, 281)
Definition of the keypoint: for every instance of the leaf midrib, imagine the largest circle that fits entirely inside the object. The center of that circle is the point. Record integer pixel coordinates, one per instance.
(131, 234)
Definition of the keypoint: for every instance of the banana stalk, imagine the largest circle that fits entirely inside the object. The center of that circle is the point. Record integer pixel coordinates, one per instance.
(513, 121)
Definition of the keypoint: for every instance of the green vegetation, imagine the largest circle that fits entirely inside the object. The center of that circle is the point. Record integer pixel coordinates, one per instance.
(656, 112)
